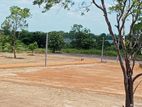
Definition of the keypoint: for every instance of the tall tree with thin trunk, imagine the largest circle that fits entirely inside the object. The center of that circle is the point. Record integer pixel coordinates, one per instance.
(126, 12)
(16, 21)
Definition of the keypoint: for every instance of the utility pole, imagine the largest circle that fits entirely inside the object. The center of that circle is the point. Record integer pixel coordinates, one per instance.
(46, 50)
(102, 55)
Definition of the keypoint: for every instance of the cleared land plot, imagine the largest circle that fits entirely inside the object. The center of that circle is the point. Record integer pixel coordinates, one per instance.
(66, 82)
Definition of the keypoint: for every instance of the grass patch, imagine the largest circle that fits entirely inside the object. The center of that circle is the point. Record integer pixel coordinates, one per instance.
(89, 51)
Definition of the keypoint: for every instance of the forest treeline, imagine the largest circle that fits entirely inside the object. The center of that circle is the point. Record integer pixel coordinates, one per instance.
(78, 40)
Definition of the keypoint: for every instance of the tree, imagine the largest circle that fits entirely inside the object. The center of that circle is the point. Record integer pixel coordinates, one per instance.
(124, 10)
(79, 28)
(56, 41)
(14, 22)
(81, 37)
(33, 46)
(83, 41)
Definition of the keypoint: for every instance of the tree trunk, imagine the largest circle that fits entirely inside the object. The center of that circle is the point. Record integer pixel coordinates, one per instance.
(129, 96)
(14, 45)
(32, 53)
(14, 49)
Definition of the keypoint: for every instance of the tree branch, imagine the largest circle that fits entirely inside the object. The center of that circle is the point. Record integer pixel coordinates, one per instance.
(134, 19)
(113, 37)
(137, 76)
(98, 6)
(133, 65)
(122, 11)
(137, 87)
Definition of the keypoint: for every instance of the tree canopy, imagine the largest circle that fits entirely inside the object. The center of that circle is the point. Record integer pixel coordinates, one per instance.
(56, 41)
(17, 19)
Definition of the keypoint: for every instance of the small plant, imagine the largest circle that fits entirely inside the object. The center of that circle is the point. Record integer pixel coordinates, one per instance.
(33, 46)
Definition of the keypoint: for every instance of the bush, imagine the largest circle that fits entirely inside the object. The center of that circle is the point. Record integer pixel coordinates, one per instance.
(20, 46)
(7, 47)
(33, 46)
(110, 53)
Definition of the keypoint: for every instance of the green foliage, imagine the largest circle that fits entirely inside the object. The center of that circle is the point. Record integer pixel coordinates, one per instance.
(120, 4)
(78, 37)
(137, 27)
(7, 47)
(56, 41)
(81, 37)
(30, 37)
(99, 40)
(90, 51)
(40, 50)
(134, 41)
(20, 46)
(50, 3)
(33, 46)
(3, 40)
(82, 51)
(82, 40)
(79, 28)
(14, 22)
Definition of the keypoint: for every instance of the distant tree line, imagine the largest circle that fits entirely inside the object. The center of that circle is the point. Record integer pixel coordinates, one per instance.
(77, 38)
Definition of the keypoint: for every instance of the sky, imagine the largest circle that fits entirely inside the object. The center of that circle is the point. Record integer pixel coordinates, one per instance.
(57, 19)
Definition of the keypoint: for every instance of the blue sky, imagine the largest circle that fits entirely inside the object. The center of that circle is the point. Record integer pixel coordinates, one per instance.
(57, 18)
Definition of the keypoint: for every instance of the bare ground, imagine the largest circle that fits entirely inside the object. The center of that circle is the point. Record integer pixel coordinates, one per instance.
(66, 82)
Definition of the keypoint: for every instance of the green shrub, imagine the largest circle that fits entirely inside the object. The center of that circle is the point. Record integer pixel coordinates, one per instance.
(110, 53)
(33, 46)
(7, 47)
(20, 46)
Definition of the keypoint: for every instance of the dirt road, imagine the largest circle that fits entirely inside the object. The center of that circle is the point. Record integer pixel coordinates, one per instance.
(66, 82)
